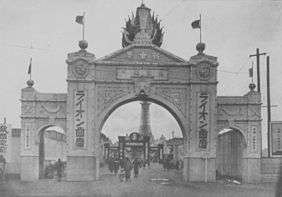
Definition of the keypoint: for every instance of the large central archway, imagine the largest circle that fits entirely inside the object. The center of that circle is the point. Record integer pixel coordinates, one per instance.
(153, 99)
(176, 152)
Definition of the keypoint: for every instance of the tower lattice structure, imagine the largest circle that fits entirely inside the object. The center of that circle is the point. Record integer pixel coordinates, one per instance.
(145, 123)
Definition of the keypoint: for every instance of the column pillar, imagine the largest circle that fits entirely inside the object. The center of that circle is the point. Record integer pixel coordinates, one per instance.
(82, 133)
(199, 163)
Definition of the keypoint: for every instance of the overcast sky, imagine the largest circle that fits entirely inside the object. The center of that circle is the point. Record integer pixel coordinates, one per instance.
(231, 29)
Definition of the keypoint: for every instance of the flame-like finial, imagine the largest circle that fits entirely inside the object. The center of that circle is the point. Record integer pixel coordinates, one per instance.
(142, 28)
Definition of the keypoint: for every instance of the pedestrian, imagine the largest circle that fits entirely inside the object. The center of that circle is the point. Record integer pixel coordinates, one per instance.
(116, 166)
(136, 165)
(177, 165)
(111, 164)
(164, 164)
(127, 168)
(59, 167)
(2, 167)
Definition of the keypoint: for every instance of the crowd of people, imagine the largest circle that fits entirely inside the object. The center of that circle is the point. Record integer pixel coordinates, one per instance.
(123, 167)
(172, 164)
(56, 169)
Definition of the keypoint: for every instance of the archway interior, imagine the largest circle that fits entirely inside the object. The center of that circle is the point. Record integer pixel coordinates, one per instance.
(126, 119)
(52, 146)
(229, 154)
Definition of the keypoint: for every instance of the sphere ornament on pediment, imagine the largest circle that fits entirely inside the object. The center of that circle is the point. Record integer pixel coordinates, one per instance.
(83, 44)
(200, 47)
(252, 86)
(30, 83)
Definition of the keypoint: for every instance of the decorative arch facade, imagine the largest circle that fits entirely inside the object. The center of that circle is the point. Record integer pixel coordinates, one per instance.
(141, 70)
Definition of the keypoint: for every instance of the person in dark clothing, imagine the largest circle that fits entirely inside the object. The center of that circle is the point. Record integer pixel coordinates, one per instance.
(59, 169)
(116, 165)
(111, 164)
(127, 168)
(2, 167)
(136, 165)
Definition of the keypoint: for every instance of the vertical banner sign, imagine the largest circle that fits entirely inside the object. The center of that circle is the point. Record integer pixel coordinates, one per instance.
(254, 139)
(27, 137)
(79, 118)
(276, 138)
(3, 138)
(203, 119)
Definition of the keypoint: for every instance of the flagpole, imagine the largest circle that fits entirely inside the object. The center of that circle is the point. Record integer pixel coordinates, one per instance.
(30, 62)
(253, 72)
(200, 29)
(83, 26)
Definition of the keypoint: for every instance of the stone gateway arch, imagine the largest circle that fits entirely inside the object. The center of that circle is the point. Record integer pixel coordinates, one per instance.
(141, 71)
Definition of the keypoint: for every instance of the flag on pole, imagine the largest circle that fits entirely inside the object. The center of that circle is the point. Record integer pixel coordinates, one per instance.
(80, 19)
(251, 72)
(196, 24)
(29, 67)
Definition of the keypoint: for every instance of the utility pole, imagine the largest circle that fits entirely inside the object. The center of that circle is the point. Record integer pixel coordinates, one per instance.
(268, 105)
(258, 67)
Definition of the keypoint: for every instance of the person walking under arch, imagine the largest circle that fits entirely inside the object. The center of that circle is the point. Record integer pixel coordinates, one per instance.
(127, 168)
(116, 165)
(59, 169)
(136, 165)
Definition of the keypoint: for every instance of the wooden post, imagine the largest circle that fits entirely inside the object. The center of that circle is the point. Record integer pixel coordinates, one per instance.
(268, 105)
(258, 70)
(257, 55)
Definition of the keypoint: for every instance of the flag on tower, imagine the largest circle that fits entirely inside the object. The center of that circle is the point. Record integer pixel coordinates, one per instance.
(29, 67)
(196, 24)
(80, 19)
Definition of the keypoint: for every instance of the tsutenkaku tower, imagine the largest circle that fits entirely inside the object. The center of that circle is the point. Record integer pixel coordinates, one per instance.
(145, 123)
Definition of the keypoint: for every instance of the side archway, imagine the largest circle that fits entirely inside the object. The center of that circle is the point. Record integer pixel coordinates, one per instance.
(230, 151)
(55, 137)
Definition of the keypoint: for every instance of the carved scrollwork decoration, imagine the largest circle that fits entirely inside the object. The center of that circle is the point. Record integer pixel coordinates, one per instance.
(204, 71)
(81, 69)
(51, 110)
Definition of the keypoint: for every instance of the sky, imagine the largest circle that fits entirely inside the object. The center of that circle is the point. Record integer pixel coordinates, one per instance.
(232, 30)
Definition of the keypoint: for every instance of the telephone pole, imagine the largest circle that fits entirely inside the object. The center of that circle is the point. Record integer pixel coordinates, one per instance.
(258, 67)
(268, 105)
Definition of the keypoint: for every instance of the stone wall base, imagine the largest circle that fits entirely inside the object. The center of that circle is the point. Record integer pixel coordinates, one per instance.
(29, 168)
(271, 169)
(251, 170)
(81, 168)
(199, 169)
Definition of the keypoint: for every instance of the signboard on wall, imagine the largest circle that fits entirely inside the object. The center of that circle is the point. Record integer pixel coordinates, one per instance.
(276, 138)
(80, 118)
(203, 119)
